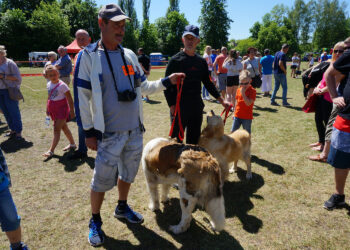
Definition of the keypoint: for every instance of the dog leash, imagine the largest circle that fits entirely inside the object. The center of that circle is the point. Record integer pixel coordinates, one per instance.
(179, 85)
(227, 112)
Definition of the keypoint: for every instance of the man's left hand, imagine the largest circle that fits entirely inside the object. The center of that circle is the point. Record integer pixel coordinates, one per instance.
(173, 77)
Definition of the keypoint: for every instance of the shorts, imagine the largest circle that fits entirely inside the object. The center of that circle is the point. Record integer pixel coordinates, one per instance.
(222, 78)
(118, 155)
(58, 110)
(65, 79)
(232, 81)
(339, 154)
(294, 66)
(9, 218)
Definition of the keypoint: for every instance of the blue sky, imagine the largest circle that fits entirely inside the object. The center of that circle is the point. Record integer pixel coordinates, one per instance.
(244, 13)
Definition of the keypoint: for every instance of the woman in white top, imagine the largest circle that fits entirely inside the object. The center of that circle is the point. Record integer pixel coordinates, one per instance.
(311, 60)
(233, 66)
(252, 64)
(295, 64)
(207, 57)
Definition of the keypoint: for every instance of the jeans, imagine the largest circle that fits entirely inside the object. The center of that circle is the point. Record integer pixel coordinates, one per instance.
(280, 79)
(9, 218)
(205, 92)
(237, 122)
(11, 111)
(82, 146)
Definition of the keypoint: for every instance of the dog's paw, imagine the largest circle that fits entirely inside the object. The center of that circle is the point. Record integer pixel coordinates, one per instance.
(232, 170)
(176, 229)
(153, 206)
(249, 176)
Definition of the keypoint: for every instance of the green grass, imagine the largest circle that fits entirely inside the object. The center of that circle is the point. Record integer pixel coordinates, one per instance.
(280, 208)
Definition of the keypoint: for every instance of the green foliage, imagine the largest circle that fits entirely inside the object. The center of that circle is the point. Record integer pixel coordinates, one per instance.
(214, 23)
(82, 15)
(12, 25)
(145, 9)
(170, 30)
(27, 6)
(131, 36)
(148, 39)
(49, 27)
(255, 30)
(244, 44)
(173, 6)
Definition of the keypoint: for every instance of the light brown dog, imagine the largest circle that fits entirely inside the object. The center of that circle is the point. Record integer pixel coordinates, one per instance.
(196, 172)
(226, 148)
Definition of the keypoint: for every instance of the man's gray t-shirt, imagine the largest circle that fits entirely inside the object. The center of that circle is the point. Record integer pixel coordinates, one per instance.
(118, 116)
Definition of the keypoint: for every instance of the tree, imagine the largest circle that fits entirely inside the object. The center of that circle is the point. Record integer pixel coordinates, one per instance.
(82, 15)
(145, 9)
(16, 43)
(244, 44)
(148, 37)
(331, 24)
(49, 27)
(131, 36)
(173, 6)
(27, 6)
(255, 30)
(214, 23)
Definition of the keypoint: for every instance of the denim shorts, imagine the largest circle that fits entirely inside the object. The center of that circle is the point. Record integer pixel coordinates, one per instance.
(9, 218)
(222, 81)
(118, 155)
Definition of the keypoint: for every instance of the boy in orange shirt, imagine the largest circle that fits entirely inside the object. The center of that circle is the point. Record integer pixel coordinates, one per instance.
(245, 98)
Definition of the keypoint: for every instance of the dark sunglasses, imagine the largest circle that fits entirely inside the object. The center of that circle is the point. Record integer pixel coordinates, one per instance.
(338, 51)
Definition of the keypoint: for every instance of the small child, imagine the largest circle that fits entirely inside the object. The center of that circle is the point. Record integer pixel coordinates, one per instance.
(245, 98)
(60, 108)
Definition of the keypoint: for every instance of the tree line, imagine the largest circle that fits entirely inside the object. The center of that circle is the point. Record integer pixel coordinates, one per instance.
(43, 25)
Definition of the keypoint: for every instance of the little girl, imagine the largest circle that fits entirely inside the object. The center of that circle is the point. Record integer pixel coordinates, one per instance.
(59, 98)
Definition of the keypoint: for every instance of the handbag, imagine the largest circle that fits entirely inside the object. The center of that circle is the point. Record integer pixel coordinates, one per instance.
(310, 105)
(256, 80)
(14, 92)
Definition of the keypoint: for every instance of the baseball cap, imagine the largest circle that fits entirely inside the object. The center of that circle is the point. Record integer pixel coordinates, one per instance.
(112, 12)
(191, 30)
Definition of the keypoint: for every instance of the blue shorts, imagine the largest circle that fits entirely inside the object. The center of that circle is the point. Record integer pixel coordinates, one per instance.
(9, 219)
(339, 154)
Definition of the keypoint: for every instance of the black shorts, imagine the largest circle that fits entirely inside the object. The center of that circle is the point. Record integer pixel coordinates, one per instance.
(293, 66)
(232, 81)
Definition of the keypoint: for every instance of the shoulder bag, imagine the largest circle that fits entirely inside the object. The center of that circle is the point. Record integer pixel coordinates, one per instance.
(256, 83)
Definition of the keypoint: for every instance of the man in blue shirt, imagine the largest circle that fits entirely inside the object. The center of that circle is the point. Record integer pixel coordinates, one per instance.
(64, 64)
(280, 74)
(324, 57)
(266, 63)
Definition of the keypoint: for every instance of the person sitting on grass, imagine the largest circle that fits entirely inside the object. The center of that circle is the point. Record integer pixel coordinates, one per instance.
(9, 219)
(60, 108)
(245, 98)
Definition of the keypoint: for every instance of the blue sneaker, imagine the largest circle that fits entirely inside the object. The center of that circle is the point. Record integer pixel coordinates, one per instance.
(21, 247)
(96, 235)
(129, 214)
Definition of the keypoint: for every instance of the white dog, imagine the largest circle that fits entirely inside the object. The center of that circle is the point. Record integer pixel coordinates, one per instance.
(197, 174)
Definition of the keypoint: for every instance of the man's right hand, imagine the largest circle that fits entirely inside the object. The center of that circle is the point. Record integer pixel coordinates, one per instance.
(174, 77)
(91, 143)
(339, 101)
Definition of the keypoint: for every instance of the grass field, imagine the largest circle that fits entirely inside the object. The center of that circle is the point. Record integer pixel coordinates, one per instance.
(280, 208)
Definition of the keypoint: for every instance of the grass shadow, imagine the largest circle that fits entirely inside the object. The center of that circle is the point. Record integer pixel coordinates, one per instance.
(238, 203)
(72, 165)
(272, 167)
(148, 240)
(264, 109)
(256, 114)
(294, 107)
(201, 235)
(153, 102)
(12, 145)
(3, 129)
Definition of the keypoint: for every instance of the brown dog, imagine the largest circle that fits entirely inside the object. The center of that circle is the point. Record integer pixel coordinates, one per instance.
(197, 173)
(226, 148)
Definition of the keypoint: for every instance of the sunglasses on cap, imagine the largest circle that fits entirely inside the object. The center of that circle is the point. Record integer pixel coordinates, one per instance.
(338, 51)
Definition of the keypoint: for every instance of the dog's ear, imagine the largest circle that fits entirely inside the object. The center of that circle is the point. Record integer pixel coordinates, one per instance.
(212, 113)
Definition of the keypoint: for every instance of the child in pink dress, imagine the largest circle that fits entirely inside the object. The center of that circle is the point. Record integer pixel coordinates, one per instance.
(60, 108)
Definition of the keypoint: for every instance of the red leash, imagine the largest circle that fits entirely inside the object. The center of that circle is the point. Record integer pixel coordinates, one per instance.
(179, 84)
(227, 112)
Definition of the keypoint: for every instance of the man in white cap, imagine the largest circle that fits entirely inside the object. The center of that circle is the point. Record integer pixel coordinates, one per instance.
(110, 84)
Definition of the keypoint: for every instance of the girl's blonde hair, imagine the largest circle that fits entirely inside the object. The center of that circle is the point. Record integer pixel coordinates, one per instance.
(50, 68)
(338, 44)
(244, 76)
(207, 49)
(3, 50)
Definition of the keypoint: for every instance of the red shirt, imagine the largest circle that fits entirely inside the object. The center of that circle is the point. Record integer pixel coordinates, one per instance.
(220, 61)
(243, 111)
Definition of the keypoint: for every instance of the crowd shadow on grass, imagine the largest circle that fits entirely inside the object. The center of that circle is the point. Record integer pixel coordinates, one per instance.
(72, 165)
(272, 167)
(148, 240)
(294, 107)
(258, 108)
(12, 145)
(198, 235)
(237, 200)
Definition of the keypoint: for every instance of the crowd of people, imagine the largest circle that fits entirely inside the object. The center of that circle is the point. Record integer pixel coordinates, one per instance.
(110, 80)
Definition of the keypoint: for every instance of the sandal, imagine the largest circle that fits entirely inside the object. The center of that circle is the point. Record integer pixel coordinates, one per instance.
(317, 158)
(48, 154)
(70, 147)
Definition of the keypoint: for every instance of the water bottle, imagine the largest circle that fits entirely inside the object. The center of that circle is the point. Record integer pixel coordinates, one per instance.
(47, 121)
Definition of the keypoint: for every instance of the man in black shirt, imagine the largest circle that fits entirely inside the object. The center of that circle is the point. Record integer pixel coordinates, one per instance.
(196, 70)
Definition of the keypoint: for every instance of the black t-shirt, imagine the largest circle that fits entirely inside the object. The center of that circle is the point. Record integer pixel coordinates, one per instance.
(343, 66)
(196, 70)
(145, 61)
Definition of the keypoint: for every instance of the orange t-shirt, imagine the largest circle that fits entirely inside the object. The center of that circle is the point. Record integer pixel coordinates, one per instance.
(220, 61)
(243, 111)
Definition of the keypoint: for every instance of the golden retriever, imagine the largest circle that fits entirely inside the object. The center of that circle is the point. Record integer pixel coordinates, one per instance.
(226, 148)
(196, 172)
